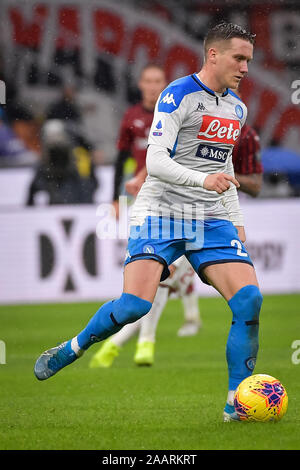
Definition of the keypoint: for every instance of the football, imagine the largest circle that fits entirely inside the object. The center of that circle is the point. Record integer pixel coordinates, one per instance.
(261, 397)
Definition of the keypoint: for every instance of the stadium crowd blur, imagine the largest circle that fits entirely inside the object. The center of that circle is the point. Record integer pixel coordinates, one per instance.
(55, 139)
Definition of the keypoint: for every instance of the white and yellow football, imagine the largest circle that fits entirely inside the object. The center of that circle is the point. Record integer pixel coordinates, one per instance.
(261, 397)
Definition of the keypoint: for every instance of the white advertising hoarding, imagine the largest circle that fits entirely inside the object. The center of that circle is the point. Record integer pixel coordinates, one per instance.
(54, 253)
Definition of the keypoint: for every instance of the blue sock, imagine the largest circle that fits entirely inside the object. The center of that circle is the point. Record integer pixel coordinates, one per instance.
(242, 344)
(111, 317)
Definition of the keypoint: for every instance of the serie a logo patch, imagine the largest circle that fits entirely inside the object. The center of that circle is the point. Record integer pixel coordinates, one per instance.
(216, 154)
(158, 129)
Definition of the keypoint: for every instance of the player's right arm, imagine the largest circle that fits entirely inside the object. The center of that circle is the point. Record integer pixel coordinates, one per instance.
(247, 163)
(160, 165)
(119, 167)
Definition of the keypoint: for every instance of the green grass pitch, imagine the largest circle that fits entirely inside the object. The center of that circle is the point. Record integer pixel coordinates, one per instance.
(175, 405)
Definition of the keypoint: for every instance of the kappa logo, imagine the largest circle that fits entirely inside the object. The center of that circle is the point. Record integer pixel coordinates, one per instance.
(216, 129)
(169, 99)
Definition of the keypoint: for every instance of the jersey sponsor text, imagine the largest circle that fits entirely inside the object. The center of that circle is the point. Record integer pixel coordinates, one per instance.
(215, 129)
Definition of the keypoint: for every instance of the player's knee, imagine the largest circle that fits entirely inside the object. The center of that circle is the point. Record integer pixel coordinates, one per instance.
(129, 308)
(255, 300)
(246, 304)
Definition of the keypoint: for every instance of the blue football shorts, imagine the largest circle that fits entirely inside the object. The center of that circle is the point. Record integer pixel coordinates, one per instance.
(204, 243)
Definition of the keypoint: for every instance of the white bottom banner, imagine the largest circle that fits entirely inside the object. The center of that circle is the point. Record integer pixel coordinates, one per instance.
(53, 254)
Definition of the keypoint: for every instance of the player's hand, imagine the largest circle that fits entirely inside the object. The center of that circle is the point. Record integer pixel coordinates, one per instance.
(134, 185)
(241, 233)
(116, 209)
(220, 182)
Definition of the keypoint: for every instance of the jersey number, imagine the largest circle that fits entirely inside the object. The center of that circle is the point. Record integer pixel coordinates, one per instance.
(238, 244)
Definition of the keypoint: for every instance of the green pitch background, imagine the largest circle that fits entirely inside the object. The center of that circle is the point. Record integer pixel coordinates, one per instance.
(176, 404)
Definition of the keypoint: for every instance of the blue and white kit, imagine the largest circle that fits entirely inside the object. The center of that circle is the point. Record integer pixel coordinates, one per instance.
(192, 135)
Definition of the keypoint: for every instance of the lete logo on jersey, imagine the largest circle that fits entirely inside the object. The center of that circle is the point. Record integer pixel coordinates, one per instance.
(216, 129)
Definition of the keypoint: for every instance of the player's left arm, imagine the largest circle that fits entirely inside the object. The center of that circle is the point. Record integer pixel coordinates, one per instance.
(250, 184)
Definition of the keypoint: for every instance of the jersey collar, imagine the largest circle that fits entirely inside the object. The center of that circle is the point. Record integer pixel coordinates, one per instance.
(205, 88)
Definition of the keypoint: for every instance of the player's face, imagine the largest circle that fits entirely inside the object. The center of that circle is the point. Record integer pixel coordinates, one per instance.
(151, 83)
(231, 61)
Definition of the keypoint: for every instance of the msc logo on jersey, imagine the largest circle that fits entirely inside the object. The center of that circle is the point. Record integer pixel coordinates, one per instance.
(168, 99)
(216, 129)
(216, 154)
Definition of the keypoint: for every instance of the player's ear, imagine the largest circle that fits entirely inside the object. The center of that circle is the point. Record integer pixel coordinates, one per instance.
(212, 54)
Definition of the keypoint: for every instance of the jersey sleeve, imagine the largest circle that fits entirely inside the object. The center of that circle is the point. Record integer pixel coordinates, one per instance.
(169, 115)
(231, 200)
(125, 135)
(244, 114)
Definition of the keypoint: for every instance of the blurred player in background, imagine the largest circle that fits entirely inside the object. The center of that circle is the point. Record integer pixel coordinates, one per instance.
(196, 124)
(66, 173)
(248, 171)
(135, 128)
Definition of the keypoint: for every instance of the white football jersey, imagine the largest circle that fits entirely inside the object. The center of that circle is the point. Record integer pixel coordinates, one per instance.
(199, 128)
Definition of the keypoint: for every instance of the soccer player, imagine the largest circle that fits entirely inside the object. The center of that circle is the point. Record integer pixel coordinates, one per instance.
(248, 172)
(188, 206)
